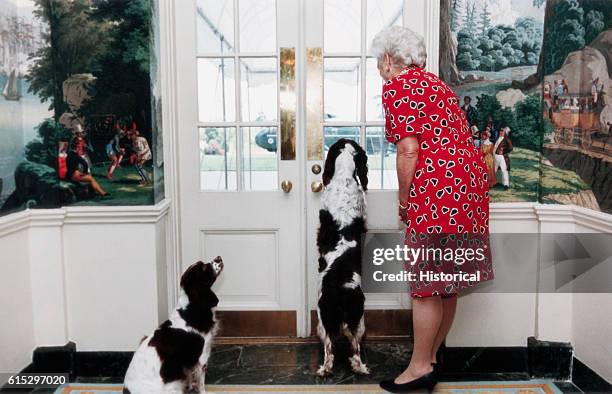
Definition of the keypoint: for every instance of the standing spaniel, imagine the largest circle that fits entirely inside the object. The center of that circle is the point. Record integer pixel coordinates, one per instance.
(342, 224)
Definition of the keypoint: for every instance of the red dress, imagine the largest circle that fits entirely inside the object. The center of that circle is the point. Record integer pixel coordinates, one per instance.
(449, 195)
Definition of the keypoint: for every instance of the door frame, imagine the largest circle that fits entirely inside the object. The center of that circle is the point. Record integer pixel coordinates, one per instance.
(427, 23)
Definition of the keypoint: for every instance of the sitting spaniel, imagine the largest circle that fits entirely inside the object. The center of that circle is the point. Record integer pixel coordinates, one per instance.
(342, 224)
(174, 358)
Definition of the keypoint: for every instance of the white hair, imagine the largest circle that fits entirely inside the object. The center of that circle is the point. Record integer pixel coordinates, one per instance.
(404, 46)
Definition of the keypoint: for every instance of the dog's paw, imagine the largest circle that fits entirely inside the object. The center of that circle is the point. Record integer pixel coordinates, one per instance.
(358, 366)
(323, 371)
(361, 370)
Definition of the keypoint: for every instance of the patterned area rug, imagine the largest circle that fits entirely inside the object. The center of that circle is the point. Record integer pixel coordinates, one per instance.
(518, 387)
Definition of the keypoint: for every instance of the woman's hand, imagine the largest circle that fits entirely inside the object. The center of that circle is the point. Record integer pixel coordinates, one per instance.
(403, 212)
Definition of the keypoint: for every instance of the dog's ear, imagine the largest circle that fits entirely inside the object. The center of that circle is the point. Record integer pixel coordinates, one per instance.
(330, 162)
(361, 166)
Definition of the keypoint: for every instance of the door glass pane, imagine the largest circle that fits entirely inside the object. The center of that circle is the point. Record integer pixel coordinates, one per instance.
(381, 160)
(259, 89)
(342, 26)
(215, 24)
(257, 25)
(342, 98)
(333, 134)
(216, 92)
(381, 14)
(374, 85)
(259, 158)
(218, 158)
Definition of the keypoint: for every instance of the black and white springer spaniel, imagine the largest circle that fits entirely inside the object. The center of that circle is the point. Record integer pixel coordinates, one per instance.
(175, 357)
(342, 224)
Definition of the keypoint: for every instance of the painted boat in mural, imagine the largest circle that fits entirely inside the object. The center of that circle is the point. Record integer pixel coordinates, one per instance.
(11, 91)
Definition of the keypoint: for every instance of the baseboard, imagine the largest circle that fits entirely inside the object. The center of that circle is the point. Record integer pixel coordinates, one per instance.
(588, 380)
(278, 324)
(462, 361)
(540, 359)
(379, 323)
(257, 323)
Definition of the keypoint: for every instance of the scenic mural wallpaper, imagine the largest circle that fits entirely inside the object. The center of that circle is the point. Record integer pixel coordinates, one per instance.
(534, 79)
(80, 111)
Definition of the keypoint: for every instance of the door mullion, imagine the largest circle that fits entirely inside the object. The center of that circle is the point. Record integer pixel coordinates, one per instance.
(364, 10)
(237, 98)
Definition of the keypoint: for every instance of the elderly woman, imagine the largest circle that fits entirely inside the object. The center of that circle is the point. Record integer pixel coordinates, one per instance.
(443, 191)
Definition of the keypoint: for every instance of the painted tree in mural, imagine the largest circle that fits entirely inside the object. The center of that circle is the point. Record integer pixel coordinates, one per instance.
(569, 26)
(108, 39)
(44, 149)
(449, 17)
(123, 83)
(455, 14)
(72, 43)
(469, 18)
(500, 46)
(594, 24)
(485, 20)
(571, 29)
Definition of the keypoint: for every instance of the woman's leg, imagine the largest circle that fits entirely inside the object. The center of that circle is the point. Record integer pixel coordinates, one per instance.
(78, 177)
(449, 306)
(426, 319)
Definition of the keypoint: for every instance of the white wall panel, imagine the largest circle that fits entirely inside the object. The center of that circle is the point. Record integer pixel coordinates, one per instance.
(251, 274)
(17, 328)
(110, 284)
(591, 328)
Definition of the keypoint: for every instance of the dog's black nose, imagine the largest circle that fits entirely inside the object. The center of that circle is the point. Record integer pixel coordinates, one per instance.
(218, 259)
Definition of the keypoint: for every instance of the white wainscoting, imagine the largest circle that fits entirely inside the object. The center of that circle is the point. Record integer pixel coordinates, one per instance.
(95, 276)
(100, 277)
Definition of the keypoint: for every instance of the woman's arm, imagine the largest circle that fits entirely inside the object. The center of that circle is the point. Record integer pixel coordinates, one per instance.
(407, 156)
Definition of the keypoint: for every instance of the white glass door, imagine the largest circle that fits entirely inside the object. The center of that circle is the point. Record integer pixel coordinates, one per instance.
(233, 157)
(351, 108)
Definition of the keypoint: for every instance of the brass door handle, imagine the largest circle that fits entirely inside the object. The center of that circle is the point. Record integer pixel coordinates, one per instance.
(316, 187)
(286, 186)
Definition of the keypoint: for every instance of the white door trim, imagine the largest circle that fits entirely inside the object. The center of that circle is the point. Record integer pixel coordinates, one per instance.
(168, 72)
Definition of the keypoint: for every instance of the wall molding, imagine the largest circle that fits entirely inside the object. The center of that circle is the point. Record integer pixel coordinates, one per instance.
(543, 213)
(83, 215)
(513, 211)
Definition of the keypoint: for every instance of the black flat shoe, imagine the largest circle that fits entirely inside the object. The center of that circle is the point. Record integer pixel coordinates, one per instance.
(425, 383)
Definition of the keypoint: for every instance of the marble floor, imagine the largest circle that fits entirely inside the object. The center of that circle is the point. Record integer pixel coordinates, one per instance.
(295, 363)
(280, 364)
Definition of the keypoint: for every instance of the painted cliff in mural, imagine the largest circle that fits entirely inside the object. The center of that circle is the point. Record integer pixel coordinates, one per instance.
(576, 69)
